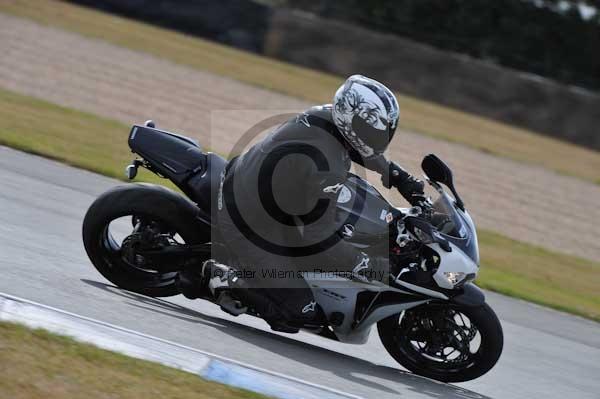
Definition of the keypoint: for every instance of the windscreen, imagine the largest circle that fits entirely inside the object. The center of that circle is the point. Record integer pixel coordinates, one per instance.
(456, 226)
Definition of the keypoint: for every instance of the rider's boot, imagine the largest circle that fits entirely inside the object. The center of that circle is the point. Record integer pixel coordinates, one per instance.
(216, 278)
(266, 308)
(203, 280)
(191, 283)
(235, 295)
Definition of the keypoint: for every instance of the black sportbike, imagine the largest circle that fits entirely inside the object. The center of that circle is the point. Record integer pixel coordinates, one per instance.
(435, 323)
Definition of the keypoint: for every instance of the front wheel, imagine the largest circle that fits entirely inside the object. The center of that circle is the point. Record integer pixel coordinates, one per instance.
(449, 343)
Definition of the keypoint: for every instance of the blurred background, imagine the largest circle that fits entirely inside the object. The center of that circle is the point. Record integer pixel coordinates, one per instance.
(506, 91)
(531, 63)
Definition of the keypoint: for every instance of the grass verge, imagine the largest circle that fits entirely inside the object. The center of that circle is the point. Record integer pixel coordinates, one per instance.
(39, 364)
(100, 145)
(420, 116)
(73, 137)
(559, 281)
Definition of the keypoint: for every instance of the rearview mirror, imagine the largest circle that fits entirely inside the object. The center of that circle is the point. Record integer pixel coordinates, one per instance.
(439, 172)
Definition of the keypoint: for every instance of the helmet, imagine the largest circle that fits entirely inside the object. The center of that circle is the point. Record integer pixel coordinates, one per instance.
(366, 113)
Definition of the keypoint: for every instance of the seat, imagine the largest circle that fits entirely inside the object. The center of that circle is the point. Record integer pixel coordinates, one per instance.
(204, 186)
(174, 156)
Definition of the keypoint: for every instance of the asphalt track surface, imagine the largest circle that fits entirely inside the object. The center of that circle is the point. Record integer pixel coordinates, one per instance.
(547, 354)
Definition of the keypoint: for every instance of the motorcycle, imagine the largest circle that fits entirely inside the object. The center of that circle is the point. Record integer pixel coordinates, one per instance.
(430, 316)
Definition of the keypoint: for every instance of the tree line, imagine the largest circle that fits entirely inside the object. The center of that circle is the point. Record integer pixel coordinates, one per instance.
(559, 39)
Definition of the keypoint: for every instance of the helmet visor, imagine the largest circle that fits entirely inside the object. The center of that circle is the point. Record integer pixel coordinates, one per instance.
(372, 137)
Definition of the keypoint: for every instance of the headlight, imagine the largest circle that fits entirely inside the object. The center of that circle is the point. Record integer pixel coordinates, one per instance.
(458, 279)
(454, 277)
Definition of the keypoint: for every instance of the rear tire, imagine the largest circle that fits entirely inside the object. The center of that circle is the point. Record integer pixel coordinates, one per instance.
(139, 200)
(394, 338)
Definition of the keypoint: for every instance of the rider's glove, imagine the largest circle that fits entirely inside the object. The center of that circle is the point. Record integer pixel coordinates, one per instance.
(411, 188)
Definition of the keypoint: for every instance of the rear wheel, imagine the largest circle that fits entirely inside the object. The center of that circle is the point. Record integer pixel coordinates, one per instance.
(449, 343)
(134, 217)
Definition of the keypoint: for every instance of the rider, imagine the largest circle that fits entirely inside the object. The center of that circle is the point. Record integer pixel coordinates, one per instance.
(277, 202)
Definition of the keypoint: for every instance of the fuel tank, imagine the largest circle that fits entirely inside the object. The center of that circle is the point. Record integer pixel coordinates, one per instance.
(363, 213)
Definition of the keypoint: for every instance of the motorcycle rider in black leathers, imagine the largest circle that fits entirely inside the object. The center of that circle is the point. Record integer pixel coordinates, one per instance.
(277, 202)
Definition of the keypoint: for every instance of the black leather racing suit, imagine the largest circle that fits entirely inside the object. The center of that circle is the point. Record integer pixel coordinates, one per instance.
(277, 209)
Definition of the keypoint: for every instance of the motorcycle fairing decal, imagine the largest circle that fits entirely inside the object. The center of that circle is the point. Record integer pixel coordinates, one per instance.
(333, 295)
(364, 264)
(389, 217)
(344, 196)
(348, 231)
(310, 307)
(333, 189)
(303, 118)
(133, 133)
(220, 194)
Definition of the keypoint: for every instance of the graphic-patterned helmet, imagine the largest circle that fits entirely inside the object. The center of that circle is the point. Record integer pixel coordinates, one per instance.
(366, 113)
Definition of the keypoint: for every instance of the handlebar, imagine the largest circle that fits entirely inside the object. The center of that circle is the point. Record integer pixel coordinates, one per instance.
(422, 229)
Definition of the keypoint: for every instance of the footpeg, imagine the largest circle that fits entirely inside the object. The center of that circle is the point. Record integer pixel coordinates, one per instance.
(230, 305)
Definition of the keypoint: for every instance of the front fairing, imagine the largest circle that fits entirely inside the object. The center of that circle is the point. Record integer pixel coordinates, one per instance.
(369, 214)
(463, 234)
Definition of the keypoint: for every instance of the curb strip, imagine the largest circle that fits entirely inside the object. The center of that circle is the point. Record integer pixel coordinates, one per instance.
(135, 344)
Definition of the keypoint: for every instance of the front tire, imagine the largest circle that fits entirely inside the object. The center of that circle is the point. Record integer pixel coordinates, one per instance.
(431, 340)
(170, 210)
